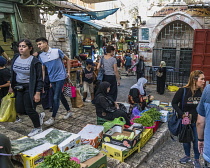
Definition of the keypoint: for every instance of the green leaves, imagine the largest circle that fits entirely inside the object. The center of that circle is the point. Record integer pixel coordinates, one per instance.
(153, 113)
(58, 160)
(145, 120)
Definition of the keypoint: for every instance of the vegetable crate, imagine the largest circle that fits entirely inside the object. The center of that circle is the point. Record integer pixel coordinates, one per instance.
(33, 157)
(118, 152)
(145, 136)
(122, 137)
(157, 123)
(73, 141)
(91, 134)
(101, 121)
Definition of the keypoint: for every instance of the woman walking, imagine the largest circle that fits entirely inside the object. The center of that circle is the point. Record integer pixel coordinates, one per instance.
(26, 82)
(111, 74)
(193, 92)
(161, 79)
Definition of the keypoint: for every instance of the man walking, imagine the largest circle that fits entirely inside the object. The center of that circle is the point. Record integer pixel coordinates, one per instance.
(52, 59)
(203, 125)
(140, 66)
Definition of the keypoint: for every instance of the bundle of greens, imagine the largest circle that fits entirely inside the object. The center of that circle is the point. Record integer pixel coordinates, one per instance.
(83, 152)
(145, 120)
(153, 113)
(55, 137)
(25, 144)
(58, 160)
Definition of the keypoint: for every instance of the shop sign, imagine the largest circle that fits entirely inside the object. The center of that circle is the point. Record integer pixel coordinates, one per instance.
(60, 33)
(145, 47)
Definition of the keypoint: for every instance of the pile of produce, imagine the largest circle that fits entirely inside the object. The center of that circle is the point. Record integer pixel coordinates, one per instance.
(121, 137)
(83, 152)
(56, 137)
(59, 160)
(25, 144)
(145, 120)
(153, 113)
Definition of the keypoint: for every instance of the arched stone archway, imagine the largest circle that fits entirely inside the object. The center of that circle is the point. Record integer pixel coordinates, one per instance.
(176, 16)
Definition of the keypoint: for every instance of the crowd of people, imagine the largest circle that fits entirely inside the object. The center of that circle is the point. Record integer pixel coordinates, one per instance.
(40, 76)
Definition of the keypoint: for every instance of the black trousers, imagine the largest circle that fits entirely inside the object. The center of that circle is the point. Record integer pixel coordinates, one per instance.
(161, 85)
(24, 105)
(113, 88)
(139, 75)
(116, 114)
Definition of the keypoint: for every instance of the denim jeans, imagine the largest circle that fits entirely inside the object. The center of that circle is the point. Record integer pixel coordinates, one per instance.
(64, 102)
(57, 90)
(187, 146)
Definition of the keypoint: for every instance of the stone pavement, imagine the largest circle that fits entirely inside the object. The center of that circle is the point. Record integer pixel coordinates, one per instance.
(86, 115)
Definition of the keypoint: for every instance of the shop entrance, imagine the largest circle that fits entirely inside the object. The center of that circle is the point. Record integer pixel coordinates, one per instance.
(174, 46)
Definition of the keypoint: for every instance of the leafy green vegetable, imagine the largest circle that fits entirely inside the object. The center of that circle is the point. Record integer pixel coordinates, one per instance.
(58, 160)
(153, 113)
(145, 120)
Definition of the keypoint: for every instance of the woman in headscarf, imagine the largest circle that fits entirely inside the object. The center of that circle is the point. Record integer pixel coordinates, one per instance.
(106, 107)
(137, 94)
(161, 78)
(5, 151)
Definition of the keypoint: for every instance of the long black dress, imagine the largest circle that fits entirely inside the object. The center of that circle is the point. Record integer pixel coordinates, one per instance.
(161, 81)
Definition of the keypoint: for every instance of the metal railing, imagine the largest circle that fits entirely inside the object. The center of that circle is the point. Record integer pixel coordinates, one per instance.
(178, 77)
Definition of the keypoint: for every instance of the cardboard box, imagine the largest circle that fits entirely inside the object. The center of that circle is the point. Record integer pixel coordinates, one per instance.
(164, 117)
(72, 141)
(118, 130)
(99, 161)
(118, 152)
(91, 134)
(33, 157)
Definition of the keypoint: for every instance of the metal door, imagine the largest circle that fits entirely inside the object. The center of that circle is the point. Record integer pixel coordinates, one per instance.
(201, 52)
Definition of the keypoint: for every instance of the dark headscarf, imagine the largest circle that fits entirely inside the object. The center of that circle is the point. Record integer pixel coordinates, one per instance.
(102, 89)
(5, 161)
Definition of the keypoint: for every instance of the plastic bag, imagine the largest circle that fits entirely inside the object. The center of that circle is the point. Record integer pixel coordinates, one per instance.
(186, 134)
(173, 88)
(83, 152)
(117, 121)
(7, 110)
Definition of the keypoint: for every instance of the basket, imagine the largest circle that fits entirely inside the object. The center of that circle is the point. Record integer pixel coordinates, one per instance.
(101, 121)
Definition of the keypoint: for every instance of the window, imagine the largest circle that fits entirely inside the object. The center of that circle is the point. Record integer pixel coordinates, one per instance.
(144, 34)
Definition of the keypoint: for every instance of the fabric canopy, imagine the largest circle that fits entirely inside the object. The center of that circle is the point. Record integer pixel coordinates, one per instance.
(92, 15)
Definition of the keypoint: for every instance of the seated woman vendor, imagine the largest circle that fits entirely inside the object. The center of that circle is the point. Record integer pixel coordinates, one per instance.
(137, 94)
(105, 107)
(5, 151)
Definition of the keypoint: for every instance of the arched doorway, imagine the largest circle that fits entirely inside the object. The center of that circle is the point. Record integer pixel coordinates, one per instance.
(174, 45)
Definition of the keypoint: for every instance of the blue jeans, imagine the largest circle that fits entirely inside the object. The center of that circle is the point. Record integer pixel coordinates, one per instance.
(187, 146)
(57, 90)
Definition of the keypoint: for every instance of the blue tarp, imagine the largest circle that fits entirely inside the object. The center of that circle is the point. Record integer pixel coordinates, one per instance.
(93, 15)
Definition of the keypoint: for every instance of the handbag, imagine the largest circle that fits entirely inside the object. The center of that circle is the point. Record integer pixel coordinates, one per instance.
(186, 134)
(175, 123)
(77, 102)
(159, 74)
(69, 90)
(101, 70)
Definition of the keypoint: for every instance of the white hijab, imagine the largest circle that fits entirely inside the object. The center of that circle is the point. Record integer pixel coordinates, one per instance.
(140, 85)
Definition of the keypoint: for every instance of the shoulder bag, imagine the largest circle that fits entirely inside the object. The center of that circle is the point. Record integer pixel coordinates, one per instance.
(175, 123)
(101, 70)
(159, 74)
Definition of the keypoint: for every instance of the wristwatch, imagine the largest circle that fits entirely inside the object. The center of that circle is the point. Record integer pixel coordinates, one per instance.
(200, 140)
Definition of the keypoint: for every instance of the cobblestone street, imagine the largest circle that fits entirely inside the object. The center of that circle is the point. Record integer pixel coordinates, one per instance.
(166, 155)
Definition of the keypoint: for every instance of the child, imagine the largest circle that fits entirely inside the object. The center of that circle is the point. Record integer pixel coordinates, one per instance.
(86, 78)
(4, 78)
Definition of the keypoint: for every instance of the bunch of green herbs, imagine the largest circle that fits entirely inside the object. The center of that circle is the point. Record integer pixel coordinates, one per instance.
(145, 120)
(153, 113)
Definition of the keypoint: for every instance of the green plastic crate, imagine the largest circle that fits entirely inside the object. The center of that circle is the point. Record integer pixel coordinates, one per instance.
(101, 121)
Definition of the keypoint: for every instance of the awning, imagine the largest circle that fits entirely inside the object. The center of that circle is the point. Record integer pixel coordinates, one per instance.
(98, 24)
(96, 1)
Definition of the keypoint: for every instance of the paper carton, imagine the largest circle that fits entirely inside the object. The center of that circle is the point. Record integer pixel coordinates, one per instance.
(72, 141)
(91, 134)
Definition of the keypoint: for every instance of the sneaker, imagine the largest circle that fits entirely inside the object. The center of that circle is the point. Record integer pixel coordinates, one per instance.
(41, 117)
(197, 164)
(185, 159)
(17, 119)
(69, 114)
(49, 122)
(34, 132)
